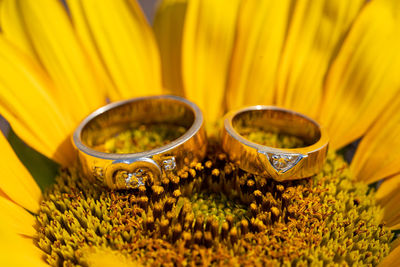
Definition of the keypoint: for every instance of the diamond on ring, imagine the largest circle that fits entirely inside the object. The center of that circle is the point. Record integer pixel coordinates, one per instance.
(282, 162)
(169, 164)
(134, 180)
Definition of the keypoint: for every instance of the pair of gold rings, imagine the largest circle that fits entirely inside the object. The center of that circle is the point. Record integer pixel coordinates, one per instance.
(277, 163)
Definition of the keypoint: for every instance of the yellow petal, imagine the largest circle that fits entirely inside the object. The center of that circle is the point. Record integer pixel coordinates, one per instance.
(17, 250)
(394, 244)
(124, 43)
(15, 181)
(25, 101)
(388, 198)
(393, 259)
(377, 155)
(61, 54)
(84, 34)
(20, 221)
(257, 52)
(315, 33)
(168, 28)
(13, 26)
(107, 257)
(387, 190)
(208, 38)
(364, 76)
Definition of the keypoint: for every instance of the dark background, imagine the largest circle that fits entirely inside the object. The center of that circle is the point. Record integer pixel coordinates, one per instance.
(148, 7)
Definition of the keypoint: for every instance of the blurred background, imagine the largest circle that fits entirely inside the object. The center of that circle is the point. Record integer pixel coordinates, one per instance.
(148, 7)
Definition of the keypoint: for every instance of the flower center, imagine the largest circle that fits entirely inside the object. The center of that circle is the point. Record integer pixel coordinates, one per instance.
(271, 139)
(210, 212)
(137, 138)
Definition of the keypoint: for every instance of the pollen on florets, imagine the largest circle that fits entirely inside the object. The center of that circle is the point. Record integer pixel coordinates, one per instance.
(213, 213)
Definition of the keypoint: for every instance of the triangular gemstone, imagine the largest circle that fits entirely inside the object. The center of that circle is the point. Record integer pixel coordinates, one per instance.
(283, 162)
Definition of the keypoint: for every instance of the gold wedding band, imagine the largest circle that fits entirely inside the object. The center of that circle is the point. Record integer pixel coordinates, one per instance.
(278, 163)
(107, 121)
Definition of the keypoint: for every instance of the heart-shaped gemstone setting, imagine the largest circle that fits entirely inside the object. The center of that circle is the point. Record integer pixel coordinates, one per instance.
(128, 174)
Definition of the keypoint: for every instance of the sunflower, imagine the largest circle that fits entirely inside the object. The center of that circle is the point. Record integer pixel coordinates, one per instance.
(336, 61)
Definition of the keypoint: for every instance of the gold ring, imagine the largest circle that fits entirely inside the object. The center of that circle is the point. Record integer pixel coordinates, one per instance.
(109, 120)
(278, 163)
